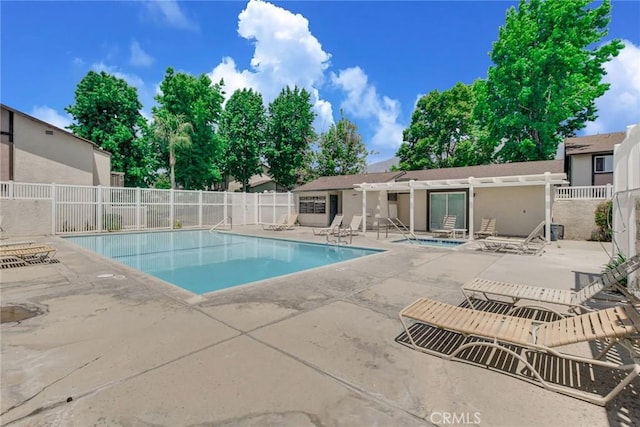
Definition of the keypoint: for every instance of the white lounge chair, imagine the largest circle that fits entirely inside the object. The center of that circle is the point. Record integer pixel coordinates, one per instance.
(335, 224)
(275, 225)
(352, 228)
(487, 228)
(533, 243)
(448, 224)
(575, 301)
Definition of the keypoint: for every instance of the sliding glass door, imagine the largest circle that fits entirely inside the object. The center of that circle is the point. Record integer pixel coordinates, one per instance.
(449, 203)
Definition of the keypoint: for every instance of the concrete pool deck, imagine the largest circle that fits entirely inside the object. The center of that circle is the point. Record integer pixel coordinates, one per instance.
(117, 347)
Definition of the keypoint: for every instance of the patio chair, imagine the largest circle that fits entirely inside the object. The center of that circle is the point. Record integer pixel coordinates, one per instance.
(351, 229)
(275, 225)
(335, 224)
(521, 348)
(532, 244)
(448, 224)
(574, 301)
(487, 228)
(289, 223)
(31, 252)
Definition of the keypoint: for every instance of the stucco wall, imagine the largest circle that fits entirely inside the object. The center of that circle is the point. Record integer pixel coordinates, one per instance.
(101, 167)
(581, 168)
(577, 217)
(517, 210)
(25, 217)
(420, 209)
(58, 157)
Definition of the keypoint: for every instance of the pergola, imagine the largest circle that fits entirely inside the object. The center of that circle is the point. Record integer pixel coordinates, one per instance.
(547, 179)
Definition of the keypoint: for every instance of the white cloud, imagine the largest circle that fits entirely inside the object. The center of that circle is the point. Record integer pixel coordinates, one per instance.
(169, 12)
(138, 56)
(363, 101)
(78, 62)
(51, 116)
(286, 54)
(620, 105)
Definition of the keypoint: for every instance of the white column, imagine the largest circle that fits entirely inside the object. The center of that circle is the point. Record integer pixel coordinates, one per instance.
(471, 205)
(547, 205)
(364, 210)
(412, 214)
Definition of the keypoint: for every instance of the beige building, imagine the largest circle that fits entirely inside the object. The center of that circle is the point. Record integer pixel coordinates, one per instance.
(518, 195)
(34, 151)
(589, 159)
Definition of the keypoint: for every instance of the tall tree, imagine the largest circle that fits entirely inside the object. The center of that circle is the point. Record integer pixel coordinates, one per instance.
(107, 112)
(341, 150)
(443, 132)
(199, 165)
(289, 135)
(547, 74)
(242, 129)
(171, 131)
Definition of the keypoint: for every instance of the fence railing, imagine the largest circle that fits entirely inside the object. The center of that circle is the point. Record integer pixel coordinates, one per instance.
(86, 209)
(598, 192)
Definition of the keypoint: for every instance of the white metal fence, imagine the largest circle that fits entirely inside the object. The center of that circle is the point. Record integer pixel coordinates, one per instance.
(602, 192)
(85, 209)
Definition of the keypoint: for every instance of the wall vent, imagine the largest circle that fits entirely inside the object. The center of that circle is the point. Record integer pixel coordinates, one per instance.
(48, 132)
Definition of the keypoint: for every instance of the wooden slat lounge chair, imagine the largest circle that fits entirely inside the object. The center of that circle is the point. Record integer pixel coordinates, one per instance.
(275, 225)
(499, 335)
(35, 252)
(487, 228)
(532, 244)
(335, 224)
(574, 301)
(448, 224)
(289, 223)
(351, 229)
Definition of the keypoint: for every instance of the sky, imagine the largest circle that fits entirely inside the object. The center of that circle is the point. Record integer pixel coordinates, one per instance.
(371, 59)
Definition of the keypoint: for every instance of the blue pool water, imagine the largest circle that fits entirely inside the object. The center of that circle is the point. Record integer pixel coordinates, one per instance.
(433, 242)
(202, 262)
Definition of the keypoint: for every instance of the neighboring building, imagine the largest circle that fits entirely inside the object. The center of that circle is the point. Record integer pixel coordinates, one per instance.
(259, 183)
(589, 159)
(518, 195)
(32, 150)
(320, 200)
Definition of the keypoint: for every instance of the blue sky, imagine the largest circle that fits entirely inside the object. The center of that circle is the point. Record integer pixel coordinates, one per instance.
(371, 59)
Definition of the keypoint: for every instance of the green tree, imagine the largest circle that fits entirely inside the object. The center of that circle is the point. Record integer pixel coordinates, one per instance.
(199, 102)
(242, 129)
(107, 112)
(289, 135)
(341, 150)
(172, 131)
(443, 132)
(547, 73)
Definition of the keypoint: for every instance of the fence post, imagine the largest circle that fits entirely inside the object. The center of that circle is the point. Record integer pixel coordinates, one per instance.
(609, 191)
(53, 206)
(224, 209)
(138, 208)
(200, 209)
(246, 208)
(11, 190)
(100, 210)
(171, 208)
(273, 216)
(289, 202)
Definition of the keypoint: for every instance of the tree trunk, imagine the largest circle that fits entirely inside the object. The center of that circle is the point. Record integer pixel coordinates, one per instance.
(172, 163)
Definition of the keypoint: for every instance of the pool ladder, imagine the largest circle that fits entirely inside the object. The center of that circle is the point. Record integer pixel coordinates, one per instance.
(223, 222)
(402, 229)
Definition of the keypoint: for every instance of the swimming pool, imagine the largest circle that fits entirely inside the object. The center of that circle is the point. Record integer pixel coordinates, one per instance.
(439, 243)
(202, 262)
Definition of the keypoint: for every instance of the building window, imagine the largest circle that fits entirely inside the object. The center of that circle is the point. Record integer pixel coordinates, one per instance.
(392, 197)
(312, 205)
(603, 164)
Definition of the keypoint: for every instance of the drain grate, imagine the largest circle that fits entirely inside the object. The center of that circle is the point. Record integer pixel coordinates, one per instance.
(18, 262)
